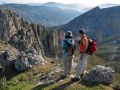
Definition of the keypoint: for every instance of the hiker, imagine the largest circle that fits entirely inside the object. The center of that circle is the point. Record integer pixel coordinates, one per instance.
(82, 60)
(68, 51)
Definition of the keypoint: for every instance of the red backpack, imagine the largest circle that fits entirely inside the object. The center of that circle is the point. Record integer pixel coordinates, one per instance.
(92, 47)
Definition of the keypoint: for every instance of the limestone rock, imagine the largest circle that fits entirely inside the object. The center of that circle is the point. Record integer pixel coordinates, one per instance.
(28, 59)
(22, 62)
(99, 74)
(7, 57)
(24, 35)
(35, 41)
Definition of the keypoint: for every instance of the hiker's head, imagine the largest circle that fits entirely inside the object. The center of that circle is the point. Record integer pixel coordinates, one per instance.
(81, 32)
(69, 34)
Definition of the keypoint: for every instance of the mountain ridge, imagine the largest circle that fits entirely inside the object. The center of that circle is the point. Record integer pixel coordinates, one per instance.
(95, 16)
(48, 16)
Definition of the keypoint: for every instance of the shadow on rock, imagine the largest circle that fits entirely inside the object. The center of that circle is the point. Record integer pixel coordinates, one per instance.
(10, 73)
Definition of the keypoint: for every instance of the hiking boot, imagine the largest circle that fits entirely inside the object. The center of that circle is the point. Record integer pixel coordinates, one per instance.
(75, 79)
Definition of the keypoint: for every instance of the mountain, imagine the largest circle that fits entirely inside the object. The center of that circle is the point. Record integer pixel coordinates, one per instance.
(108, 5)
(74, 6)
(104, 20)
(45, 15)
(102, 24)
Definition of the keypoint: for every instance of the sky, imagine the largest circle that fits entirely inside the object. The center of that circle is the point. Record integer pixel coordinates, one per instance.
(87, 2)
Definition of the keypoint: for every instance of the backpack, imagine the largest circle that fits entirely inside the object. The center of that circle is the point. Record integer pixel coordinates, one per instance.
(69, 48)
(92, 47)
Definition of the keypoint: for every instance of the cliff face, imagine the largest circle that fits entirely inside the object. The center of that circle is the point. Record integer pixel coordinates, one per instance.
(23, 35)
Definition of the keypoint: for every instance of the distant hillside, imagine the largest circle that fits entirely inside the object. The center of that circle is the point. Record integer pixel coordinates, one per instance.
(108, 5)
(74, 6)
(103, 21)
(45, 15)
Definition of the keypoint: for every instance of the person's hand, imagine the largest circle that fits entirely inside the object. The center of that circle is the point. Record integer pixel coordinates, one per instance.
(76, 38)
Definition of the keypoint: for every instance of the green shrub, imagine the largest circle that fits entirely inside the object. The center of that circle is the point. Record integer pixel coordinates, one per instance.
(3, 84)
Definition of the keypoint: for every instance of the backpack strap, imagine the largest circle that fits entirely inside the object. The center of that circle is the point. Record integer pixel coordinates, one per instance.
(71, 48)
(67, 43)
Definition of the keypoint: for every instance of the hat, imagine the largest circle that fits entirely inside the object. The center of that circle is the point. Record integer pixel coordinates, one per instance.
(82, 31)
(69, 33)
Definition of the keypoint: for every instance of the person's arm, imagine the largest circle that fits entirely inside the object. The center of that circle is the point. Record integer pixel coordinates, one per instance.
(73, 43)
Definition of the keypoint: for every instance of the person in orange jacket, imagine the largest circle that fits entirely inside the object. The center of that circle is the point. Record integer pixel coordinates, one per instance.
(82, 61)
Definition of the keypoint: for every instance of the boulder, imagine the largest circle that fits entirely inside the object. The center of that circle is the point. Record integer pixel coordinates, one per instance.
(28, 59)
(100, 74)
(7, 57)
(22, 62)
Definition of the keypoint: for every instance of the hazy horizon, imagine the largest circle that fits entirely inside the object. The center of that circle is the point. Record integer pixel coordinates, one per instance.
(84, 2)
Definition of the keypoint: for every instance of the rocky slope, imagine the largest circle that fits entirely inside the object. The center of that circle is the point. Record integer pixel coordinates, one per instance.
(16, 31)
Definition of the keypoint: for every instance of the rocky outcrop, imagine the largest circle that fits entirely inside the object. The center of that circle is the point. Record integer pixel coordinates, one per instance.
(99, 74)
(28, 59)
(47, 40)
(23, 35)
(7, 57)
(17, 32)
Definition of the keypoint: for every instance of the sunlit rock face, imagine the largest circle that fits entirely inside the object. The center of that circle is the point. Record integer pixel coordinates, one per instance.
(100, 74)
(23, 36)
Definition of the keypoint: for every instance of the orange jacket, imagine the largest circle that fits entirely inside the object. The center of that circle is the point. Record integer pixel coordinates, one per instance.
(82, 48)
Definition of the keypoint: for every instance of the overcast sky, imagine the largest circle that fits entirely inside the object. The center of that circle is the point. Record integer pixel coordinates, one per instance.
(88, 2)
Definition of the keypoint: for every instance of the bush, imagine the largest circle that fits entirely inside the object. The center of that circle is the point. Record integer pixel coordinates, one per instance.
(3, 84)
